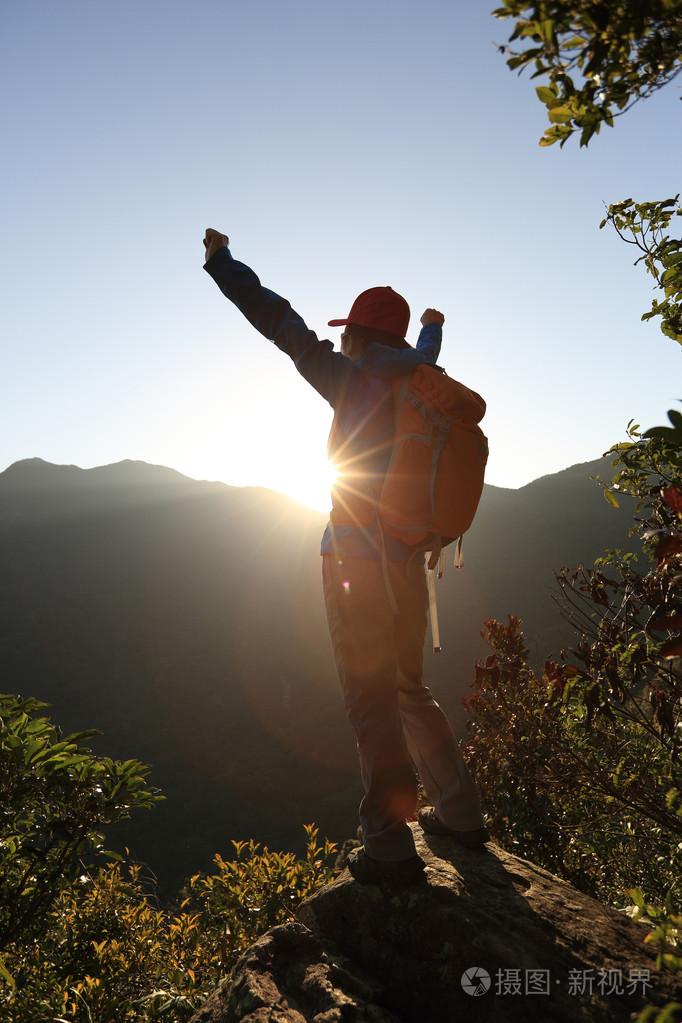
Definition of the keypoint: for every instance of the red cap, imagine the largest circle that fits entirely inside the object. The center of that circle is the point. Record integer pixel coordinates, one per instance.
(381, 309)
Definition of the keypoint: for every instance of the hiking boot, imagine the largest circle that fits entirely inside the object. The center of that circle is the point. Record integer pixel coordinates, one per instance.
(432, 824)
(367, 870)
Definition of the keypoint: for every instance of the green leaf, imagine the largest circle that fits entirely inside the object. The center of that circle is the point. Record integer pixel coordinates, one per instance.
(585, 136)
(517, 61)
(111, 854)
(546, 95)
(637, 896)
(6, 975)
(671, 798)
(611, 498)
(560, 115)
(573, 43)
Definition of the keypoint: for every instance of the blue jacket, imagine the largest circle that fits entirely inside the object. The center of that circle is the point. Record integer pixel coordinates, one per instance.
(357, 391)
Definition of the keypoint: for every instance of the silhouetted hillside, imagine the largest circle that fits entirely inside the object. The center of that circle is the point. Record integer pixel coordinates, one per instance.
(185, 620)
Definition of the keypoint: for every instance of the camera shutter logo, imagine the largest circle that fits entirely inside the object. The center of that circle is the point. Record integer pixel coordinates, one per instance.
(475, 981)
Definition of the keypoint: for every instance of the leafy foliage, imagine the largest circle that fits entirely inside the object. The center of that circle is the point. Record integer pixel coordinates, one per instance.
(643, 225)
(82, 943)
(666, 938)
(55, 797)
(564, 788)
(255, 887)
(599, 57)
(581, 766)
(637, 644)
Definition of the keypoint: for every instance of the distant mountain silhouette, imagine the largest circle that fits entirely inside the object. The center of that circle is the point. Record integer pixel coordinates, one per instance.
(185, 620)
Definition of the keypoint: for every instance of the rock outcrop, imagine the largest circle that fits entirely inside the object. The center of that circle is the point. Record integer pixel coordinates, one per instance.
(486, 936)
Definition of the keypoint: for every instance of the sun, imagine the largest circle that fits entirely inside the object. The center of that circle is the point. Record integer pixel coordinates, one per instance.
(291, 458)
(308, 481)
(310, 484)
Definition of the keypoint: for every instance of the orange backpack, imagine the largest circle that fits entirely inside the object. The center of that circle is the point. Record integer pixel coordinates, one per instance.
(434, 479)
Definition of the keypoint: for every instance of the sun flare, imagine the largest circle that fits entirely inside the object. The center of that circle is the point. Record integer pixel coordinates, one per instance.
(286, 453)
(312, 485)
(309, 482)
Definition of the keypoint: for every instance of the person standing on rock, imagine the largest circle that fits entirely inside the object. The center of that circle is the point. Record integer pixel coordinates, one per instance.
(374, 586)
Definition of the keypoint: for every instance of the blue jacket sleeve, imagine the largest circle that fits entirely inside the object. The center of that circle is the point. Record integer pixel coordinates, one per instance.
(327, 371)
(429, 341)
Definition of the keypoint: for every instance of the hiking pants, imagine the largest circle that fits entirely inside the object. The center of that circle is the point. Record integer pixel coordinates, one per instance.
(397, 722)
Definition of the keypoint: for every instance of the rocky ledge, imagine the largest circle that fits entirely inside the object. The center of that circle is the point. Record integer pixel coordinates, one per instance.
(485, 936)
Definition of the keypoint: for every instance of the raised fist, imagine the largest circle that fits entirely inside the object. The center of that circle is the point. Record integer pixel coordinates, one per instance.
(214, 240)
(432, 316)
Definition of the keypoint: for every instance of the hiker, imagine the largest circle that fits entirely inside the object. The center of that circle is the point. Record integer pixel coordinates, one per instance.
(375, 588)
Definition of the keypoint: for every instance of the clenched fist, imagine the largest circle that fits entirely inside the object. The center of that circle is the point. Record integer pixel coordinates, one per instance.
(432, 316)
(214, 240)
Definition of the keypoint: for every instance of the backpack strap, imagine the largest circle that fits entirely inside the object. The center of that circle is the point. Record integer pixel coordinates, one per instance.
(436, 554)
(384, 568)
(433, 609)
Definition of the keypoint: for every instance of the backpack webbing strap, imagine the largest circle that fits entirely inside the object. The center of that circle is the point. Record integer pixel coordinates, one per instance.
(433, 609)
(384, 568)
(438, 445)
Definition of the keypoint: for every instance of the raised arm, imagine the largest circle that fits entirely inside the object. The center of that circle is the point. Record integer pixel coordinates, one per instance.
(324, 369)
(431, 334)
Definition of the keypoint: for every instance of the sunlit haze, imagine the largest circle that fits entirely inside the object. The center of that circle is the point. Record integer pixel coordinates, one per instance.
(340, 146)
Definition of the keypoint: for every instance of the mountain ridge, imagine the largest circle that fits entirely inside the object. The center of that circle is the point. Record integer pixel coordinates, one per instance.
(36, 470)
(185, 621)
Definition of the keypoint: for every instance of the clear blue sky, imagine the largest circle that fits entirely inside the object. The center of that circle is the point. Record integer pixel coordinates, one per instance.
(341, 146)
